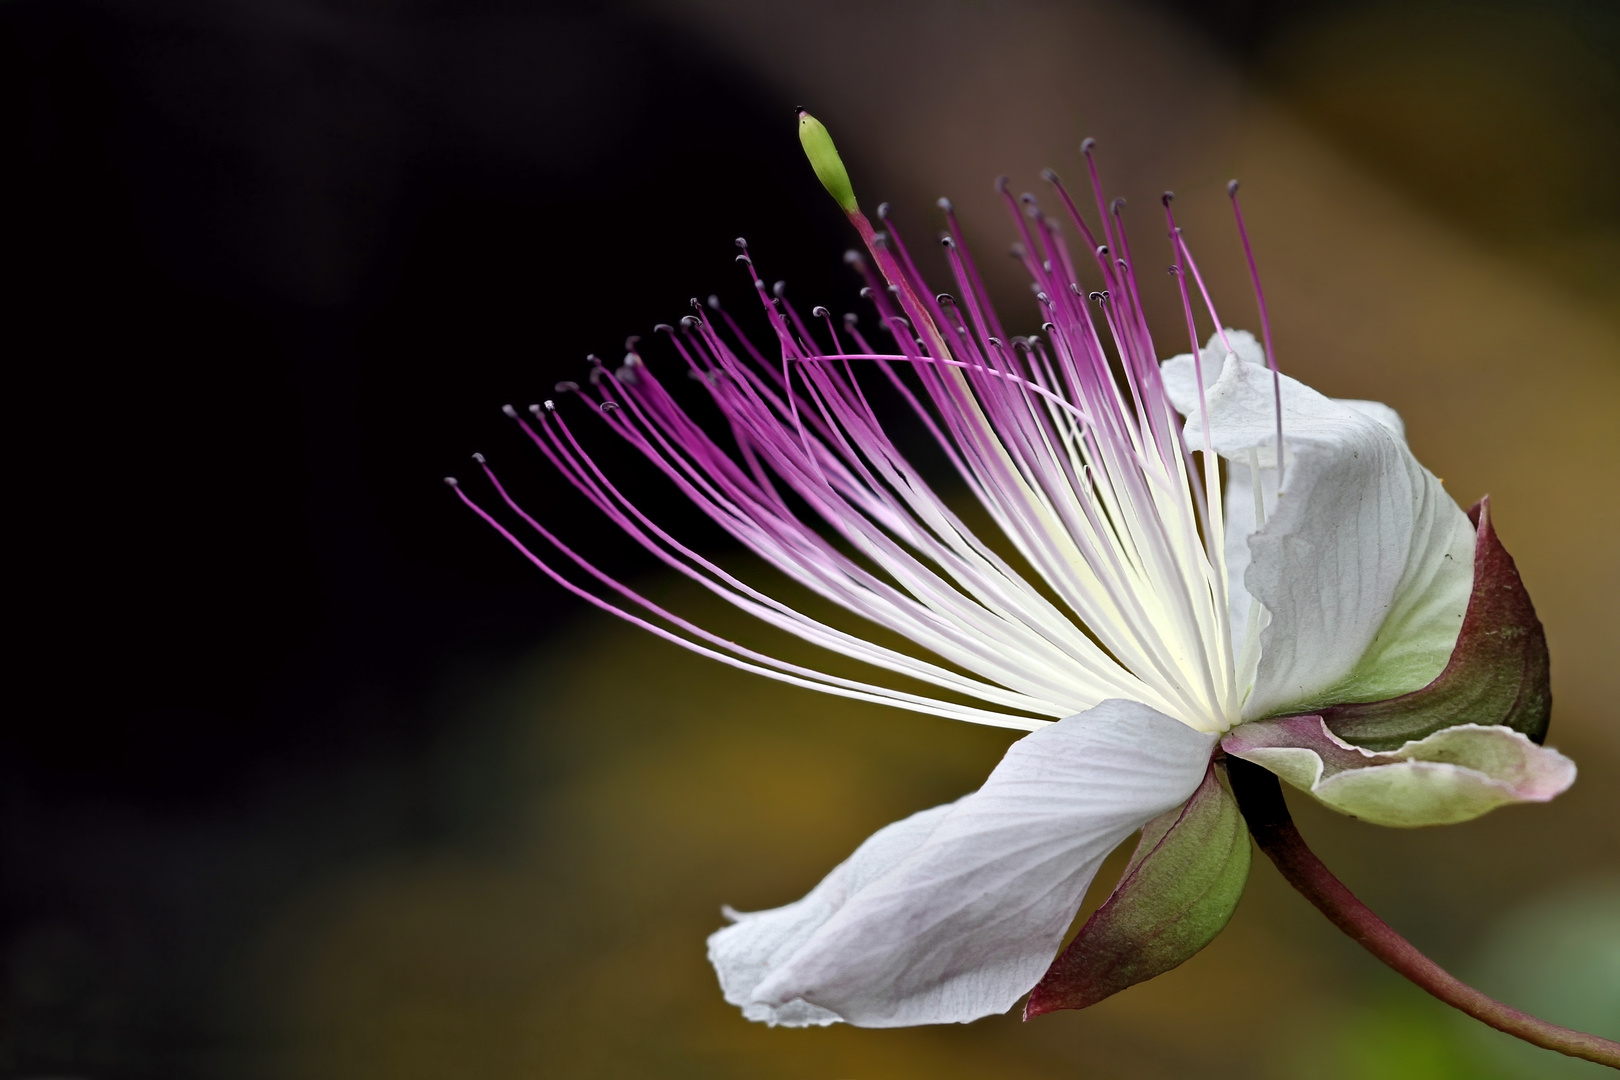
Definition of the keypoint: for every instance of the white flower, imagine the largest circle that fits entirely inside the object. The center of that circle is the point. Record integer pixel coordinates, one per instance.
(1124, 619)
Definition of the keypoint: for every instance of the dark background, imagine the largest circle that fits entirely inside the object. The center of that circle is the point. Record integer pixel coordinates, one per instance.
(272, 268)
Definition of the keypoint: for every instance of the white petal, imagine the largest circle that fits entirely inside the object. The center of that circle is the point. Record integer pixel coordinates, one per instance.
(963, 922)
(744, 953)
(1454, 775)
(1365, 564)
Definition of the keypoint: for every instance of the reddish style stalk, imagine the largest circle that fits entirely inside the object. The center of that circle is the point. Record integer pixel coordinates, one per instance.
(1260, 797)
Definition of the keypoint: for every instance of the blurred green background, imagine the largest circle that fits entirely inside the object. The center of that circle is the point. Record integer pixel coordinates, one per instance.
(1434, 193)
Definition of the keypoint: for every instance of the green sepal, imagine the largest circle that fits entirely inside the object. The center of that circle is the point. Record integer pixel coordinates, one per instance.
(1498, 673)
(824, 159)
(1179, 890)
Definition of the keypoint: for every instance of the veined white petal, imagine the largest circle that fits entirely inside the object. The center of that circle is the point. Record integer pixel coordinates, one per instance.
(1364, 563)
(954, 913)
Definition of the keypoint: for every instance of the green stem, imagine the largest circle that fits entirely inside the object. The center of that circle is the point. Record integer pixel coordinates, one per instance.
(1259, 795)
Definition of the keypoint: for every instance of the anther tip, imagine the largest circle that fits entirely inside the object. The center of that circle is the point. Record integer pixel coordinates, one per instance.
(820, 312)
(1167, 198)
(714, 302)
(850, 318)
(688, 321)
(1087, 145)
(741, 242)
(551, 406)
(565, 387)
(1002, 182)
(1116, 205)
(1049, 175)
(663, 328)
(1231, 188)
(452, 481)
(478, 458)
(883, 211)
(944, 204)
(779, 289)
(852, 257)
(509, 411)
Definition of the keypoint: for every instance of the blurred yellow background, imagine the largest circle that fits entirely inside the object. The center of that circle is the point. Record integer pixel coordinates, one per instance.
(1427, 196)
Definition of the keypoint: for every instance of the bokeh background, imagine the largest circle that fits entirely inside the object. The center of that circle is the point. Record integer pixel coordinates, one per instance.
(305, 775)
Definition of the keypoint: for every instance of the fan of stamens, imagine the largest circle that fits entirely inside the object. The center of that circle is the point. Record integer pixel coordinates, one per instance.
(1110, 583)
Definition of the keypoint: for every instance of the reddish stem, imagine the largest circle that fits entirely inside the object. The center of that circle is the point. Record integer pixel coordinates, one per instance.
(1259, 795)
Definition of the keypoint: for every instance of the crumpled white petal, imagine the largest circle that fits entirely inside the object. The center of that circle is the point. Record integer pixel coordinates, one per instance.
(955, 913)
(1454, 775)
(1364, 565)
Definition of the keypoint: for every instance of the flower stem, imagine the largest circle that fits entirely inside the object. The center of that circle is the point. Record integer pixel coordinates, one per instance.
(1259, 795)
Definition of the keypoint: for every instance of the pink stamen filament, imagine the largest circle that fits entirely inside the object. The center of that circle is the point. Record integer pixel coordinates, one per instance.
(1086, 474)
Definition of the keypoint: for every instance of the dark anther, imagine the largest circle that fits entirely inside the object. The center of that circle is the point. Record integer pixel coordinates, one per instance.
(850, 318)
(759, 284)
(689, 322)
(509, 411)
(565, 386)
(880, 239)
(1097, 297)
(1048, 327)
(663, 328)
(1116, 205)
(535, 409)
(714, 302)
(894, 289)
(943, 203)
(1102, 249)
(1046, 264)
(1167, 197)
(1231, 188)
(1001, 184)
(1017, 251)
(740, 242)
(883, 211)
(1049, 175)
(607, 406)
(779, 288)
(1086, 145)
(1027, 198)
(866, 292)
(630, 342)
(852, 257)
(945, 238)
(1043, 298)
(478, 458)
(944, 298)
(994, 341)
(744, 259)
(820, 312)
